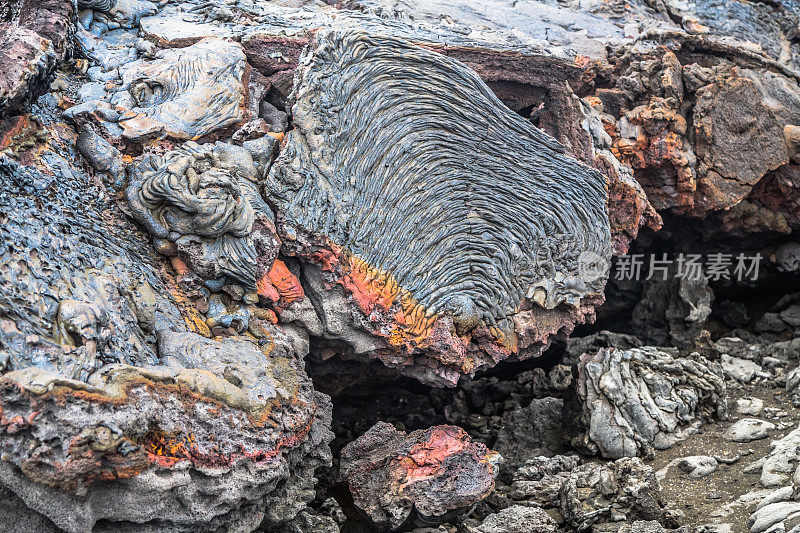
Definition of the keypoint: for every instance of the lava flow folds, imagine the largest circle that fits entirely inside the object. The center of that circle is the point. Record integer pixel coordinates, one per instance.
(457, 232)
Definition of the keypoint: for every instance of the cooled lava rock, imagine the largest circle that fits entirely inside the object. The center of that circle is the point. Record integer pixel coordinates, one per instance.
(518, 519)
(451, 185)
(200, 202)
(422, 478)
(540, 479)
(625, 403)
(170, 439)
(447, 233)
(673, 311)
(622, 490)
(115, 13)
(112, 410)
(529, 431)
(185, 93)
(35, 37)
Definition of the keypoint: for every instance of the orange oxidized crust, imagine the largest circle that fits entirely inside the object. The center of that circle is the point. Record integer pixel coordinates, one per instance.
(426, 458)
(194, 320)
(167, 450)
(286, 284)
(394, 314)
(279, 285)
(374, 290)
(437, 249)
(406, 325)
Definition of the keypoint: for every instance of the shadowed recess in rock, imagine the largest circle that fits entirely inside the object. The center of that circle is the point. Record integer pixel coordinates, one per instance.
(407, 159)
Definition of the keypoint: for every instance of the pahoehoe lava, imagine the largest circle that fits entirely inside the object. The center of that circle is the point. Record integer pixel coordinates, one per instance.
(399, 265)
(407, 160)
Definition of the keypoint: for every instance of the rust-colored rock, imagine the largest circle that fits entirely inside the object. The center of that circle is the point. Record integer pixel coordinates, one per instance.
(652, 141)
(424, 477)
(700, 135)
(779, 192)
(738, 141)
(270, 53)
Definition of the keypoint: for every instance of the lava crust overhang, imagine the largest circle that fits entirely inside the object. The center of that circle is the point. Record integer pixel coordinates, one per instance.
(455, 227)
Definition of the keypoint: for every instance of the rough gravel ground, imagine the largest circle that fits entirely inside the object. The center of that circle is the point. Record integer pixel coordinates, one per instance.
(701, 498)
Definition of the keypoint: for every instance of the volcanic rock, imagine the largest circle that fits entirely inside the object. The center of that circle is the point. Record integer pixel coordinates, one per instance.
(698, 465)
(673, 311)
(490, 274)
(35, 38)
(144, 431)
(423, 478)
(518, 519)
(540, 479)
(757, 351)
(655, 76)
(111, 14)
(651, 526)
(629, 208)
(593, 495)
(425, 216)
(781, 464)
(492, 408)
(107, 398)
(577, 346)
(779, 194)
(178, 31)
(72, 321)
(114, 50)
(739, 369)
(626, 403)
(185, 93)
(749, 406)
(722, 118)
(14, 511)
(775, 517)
(793, 386)
(201, 202)
(778, 510)
(529, 432)
(276, 119)
(595, 492)
(306, 522)
(102, 156)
